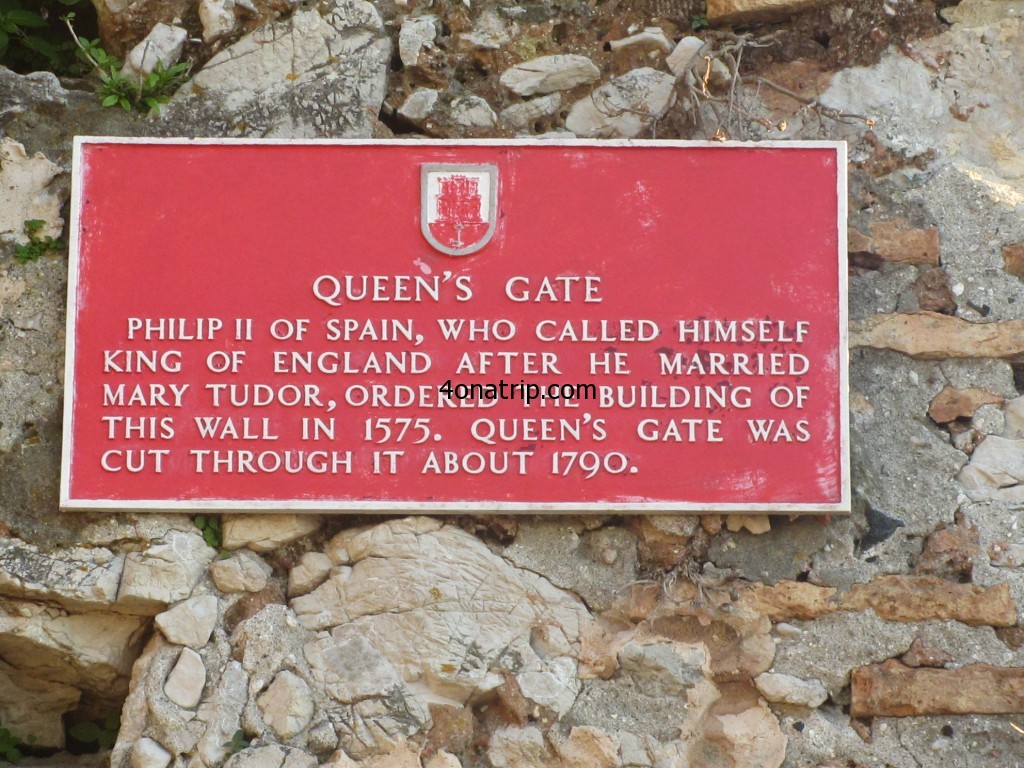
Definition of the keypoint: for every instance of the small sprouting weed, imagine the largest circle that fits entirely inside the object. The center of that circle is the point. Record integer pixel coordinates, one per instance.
(144, 94)
(209, 526)
(237, 743)
(699, 21)
(37, 244)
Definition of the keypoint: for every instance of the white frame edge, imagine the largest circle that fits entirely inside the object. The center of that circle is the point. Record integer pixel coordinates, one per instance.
(843, 506)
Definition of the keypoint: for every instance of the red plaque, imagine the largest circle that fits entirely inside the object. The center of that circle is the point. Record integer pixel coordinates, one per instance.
(485, 326)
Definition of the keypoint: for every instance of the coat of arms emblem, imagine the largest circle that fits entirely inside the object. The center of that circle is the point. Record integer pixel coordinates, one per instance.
(458, 205)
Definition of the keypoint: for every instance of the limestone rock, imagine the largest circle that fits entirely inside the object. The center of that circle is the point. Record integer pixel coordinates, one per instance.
(894, 690)
(665, 669)
(265, 533)
(750, 11)
(164, 573)
(33, 708)
(217, 17)
(931, 336)
(242, 572)
(271, 756)
(417, 33)
(756, 524)
(78, 579)
(190, 622)
(654, 36)
(514, 747)
(27, 193)
(596, 565)
(321, 72)
(588, 747)
(951, 404)
(548, 74)
(684, 55)
(429, 597)
(185, 683)
(222, 714)
(286, 705)
(149, 754)
(996, 469)
(751, 738)
(309, 573)
(490, 32)
(623, 107)
(378, 709)
(473, 112)
(443, 759)
(419, 105)
(522, 116)
(91, 651)
(787, 689)
(161, 47)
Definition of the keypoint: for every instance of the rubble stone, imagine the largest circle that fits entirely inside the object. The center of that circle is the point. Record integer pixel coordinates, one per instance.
(548, 74)
(749, 11)
(951, 404)
(286, 705)
(932, 336)
(242, 572)
(33, 708)
(321, 71)
(309, 573)
(190, 622)
(623, 107)
(894, 690)
(185, 683)
(27, 192)
(786, 689)
(920, 598)
(161, 47)
(265, 533)
(149, 754)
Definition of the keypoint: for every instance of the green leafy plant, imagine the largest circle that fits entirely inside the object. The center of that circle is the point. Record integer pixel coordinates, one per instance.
(237, 743)
(37, 244)
(699, 21)
(145, 94)
(9, 746)
(209, 526)
(101, 732)
(31, 37)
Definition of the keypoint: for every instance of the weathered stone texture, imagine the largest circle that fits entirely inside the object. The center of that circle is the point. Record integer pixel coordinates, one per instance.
(745, 11)
(320, 72)
(931, 336)
(893, 690)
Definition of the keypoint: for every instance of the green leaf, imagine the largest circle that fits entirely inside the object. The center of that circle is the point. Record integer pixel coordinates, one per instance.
(125, 104)
(200, 521)
(110, 100)
(32, 226)
(40, 45)
(26, 19)
(4, 39)
(85, 732)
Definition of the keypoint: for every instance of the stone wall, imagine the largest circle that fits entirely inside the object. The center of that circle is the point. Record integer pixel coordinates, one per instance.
(888, 637)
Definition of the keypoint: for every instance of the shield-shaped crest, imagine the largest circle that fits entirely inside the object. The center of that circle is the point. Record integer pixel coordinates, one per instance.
(457, 206)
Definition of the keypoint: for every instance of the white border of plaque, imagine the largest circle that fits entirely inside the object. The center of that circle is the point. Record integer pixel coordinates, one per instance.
(481, 506)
